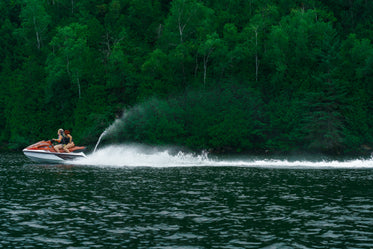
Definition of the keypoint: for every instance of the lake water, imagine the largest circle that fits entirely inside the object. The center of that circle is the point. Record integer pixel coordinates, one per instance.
(125, 197)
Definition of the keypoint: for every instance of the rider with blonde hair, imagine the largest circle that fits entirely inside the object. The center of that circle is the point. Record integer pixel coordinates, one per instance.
(65, 141)
(60, 140)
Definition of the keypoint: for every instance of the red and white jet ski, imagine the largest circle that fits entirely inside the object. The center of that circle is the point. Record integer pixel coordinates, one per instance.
(43, 151)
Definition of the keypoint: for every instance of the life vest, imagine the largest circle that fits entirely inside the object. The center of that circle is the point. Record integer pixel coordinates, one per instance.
(65, 140)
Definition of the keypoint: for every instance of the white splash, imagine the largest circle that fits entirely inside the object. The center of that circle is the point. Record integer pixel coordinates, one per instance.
(140, 156)
(112, 128)
(99, 140)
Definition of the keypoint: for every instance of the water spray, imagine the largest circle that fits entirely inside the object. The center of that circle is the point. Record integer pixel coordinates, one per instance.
(111, 129)
(99, 140)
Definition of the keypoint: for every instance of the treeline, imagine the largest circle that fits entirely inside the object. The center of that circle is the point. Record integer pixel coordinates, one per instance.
(230, 76)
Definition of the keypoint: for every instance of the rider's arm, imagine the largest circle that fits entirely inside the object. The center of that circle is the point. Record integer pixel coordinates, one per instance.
(58, 139)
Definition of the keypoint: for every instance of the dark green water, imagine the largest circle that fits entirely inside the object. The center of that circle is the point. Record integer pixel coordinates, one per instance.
(67, 206)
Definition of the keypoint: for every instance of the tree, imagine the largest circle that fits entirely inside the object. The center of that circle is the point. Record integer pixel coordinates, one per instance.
(70, 51)
(256, 32)
(157, 77)
(144, 20)
(24, 111)
(35, 20)
(186, 28)
(293, 51)
(121, 81)
(205, 50)
(324, 124)
(355, 69)
(308, 64)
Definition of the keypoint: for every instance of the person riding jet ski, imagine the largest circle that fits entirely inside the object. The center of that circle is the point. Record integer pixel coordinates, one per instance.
(65, 141)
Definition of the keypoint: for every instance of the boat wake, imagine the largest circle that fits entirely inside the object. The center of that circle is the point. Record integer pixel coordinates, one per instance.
(138, 155)
(142, 156)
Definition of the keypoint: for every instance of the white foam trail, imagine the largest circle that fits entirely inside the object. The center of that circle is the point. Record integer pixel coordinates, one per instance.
(271, 163)
(140, 156)
(136, 155)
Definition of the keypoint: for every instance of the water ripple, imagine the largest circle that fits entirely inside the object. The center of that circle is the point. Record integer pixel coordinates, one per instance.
(89, 207)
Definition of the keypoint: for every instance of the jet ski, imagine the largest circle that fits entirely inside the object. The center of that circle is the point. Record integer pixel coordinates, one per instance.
(44, 151)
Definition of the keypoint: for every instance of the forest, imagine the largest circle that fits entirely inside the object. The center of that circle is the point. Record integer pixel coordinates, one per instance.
(226, 76)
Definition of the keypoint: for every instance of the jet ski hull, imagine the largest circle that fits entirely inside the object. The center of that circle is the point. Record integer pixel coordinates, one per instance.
(43, 151)
(53, 157)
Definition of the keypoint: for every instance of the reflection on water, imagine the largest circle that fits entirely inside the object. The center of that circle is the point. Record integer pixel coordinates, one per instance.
(67, 206)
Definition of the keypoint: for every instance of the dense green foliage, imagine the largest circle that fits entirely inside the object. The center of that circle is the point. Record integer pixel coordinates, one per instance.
(231, 76)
